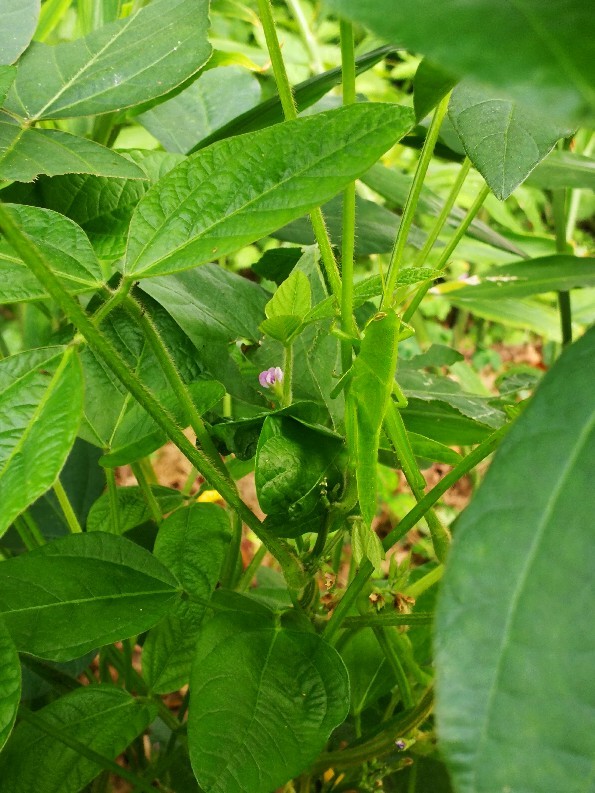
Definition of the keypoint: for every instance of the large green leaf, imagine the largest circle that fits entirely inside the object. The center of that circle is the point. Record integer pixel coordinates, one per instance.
(10, 683)
(26, 153)
(562, 169)
(41, 395)
(101, 718)
(537, 52)
(64, 244)
(192, 543)
(82, 591)
(503, 139)
(218, 96)
(256, 730)
(515, 640)
(241, 189)
(119, 65)
(430, 85)
(19, 19)
(547, 274)
(443, 422)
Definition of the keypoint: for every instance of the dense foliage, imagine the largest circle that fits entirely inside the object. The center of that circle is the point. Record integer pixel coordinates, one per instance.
(297, 243)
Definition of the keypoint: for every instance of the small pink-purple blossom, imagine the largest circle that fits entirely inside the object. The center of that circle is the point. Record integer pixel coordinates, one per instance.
(270, 376)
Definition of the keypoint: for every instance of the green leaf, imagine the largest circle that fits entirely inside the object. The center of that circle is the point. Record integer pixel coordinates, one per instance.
(81, 592)
(547, 274)
(242, 189)
(10, 683)
(41, 394)
(217, 97)
(515, 700)
(26, 153)
(102, 718)
(65, 246)
(538, 53)
(504, 140)
(439, 388)
(19, 19)
(7, 75)
(305, 95)
(562, 169)
(292, 297)
(430, 86)
(295, 466)
(517, 313)
(118, 65)
(369, 391)
(256, 731)
(443, 423)
(133, 509)
(376, 227)
(192, 543)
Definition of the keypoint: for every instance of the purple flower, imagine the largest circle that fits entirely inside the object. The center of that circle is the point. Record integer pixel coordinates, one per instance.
(400, 744)
(270, 376)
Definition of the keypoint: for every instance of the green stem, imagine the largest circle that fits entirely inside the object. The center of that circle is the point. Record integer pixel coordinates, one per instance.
(386, 620)
(287, 375)
(113, 301)
(308, 38)
(178, 386)
(480, 452)
(348, 238)
(564, 307)
(66, 507)
(34, 529)
(112, 495)
(395, 429)
(39, 266)
(411, 203)
(250, 571)
(232, 560)
(444, 214)
(428, 580)
(189, 481)
(446, 254)
(290, 113)
(148, 494)
(52, 12)
(396, 666)
(39, 721)
(348, 600)
(23, 531)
